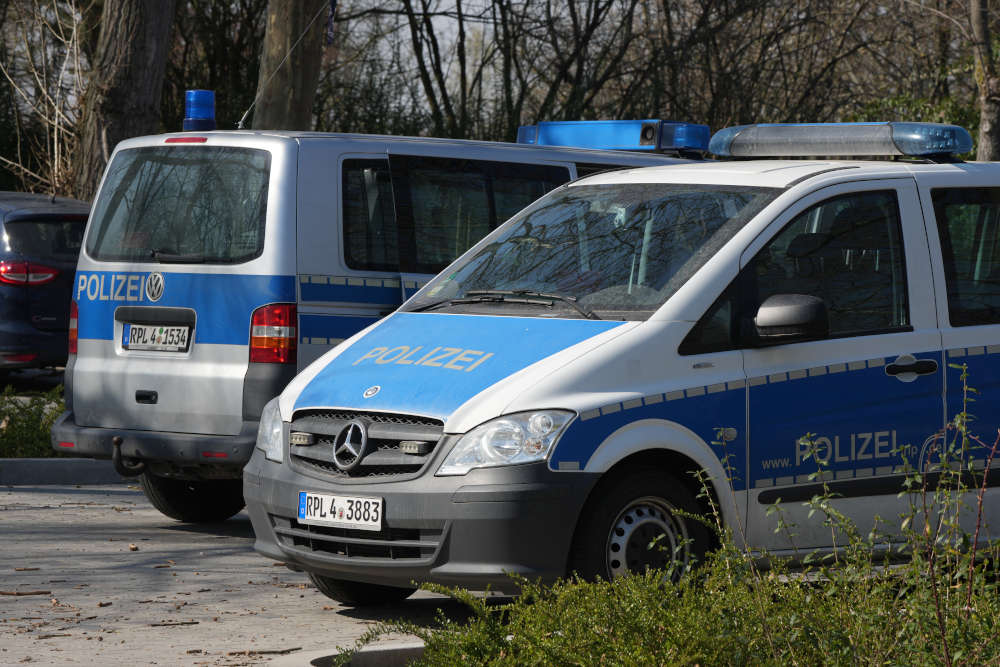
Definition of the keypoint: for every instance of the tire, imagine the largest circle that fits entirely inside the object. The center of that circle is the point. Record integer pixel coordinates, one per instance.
(202, 501)
(358, 594)
(623, 516)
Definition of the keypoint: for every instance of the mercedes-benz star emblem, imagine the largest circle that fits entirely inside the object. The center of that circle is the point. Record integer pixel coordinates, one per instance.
(371, 391)
(154, 286)
(350, 446)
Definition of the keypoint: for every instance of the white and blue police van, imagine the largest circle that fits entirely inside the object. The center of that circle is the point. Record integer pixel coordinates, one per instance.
(545, 404)
(216, 265)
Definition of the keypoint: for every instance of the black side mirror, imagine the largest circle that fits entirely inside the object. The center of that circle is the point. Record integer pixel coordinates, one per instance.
(791, 318)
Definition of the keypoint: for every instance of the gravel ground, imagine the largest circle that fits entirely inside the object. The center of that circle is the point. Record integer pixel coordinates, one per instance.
(95, 575)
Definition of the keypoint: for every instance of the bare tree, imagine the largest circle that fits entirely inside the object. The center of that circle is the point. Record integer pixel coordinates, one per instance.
(44, 69)
(987, 80)
(289, 65)
(123, 94)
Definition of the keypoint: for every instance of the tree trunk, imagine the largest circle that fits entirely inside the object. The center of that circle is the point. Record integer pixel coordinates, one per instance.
(988, 82)
(289, 66)
(123, 95)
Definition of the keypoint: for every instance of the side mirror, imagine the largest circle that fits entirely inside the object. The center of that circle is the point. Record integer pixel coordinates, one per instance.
(791, 318)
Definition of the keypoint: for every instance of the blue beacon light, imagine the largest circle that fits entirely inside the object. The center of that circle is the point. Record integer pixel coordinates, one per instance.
(633, 135)
(199, 110)
(841, 139)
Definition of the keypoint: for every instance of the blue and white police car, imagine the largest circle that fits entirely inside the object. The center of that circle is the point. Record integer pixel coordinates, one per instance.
(543, 404)
(216, 265)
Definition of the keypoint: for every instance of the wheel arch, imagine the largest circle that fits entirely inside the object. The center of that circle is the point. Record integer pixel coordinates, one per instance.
(673, 448)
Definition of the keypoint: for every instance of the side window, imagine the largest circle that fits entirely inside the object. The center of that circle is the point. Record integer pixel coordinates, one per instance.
(849, 252)
(969, 229)
(370, 239)
(445, 205)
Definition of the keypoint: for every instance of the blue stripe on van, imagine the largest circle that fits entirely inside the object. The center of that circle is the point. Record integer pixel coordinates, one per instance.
(331, 326)
(430, 364)
(223, 303)
(350, 290)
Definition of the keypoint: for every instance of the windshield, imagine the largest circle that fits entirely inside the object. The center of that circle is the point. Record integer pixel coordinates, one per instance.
(182, 203)
(597, 251)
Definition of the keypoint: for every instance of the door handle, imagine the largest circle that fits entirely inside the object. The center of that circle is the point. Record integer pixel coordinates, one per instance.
(146, 396)
(906, 367)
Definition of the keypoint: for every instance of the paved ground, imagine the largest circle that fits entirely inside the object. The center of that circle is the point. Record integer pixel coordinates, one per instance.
(103, 578)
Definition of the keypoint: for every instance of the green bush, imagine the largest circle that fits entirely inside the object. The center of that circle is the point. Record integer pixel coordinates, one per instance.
(932, 599)
(25, 422)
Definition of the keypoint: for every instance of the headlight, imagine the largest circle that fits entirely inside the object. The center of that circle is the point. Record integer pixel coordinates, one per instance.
(507, 440)
(269, 431)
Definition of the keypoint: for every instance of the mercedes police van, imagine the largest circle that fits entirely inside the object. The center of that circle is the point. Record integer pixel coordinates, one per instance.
(218, 264)
(542, 405)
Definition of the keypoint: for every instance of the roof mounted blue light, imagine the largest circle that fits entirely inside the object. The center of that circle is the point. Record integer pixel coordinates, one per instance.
(199, 110)
(841, 139)
(630, 135)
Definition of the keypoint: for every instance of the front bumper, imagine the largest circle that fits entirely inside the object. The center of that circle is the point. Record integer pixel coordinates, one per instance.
(471, 531)
(176, 449)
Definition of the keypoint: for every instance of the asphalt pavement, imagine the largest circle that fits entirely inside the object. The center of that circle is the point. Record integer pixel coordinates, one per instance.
(95, 575)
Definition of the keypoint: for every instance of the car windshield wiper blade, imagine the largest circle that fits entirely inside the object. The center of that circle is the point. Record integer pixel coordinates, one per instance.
(564, 298)
(165, 257)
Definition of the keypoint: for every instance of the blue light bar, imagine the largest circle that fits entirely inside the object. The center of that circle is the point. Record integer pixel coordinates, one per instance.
(840, 139)
(630, 135)
(199, 110)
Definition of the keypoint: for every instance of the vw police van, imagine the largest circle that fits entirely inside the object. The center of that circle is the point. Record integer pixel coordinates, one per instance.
(542, 405)
(218, 264)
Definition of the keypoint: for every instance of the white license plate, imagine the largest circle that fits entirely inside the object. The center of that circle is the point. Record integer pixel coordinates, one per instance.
(342, 511)
(155, 337)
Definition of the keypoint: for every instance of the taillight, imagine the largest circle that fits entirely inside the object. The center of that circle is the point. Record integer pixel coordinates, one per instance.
(26, 273)
(273, 334)
(74, 326)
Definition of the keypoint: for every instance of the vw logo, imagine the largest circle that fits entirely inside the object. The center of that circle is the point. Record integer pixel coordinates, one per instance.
(154, 286)
(371, 391)
(350, 446)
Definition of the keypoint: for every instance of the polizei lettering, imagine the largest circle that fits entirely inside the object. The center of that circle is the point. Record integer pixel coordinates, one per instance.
(452, 358)
(110, 286)
(869, 446)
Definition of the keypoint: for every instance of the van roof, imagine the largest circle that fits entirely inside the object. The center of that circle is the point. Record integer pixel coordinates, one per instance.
(383, 138)
(772, 173)
(27, 205)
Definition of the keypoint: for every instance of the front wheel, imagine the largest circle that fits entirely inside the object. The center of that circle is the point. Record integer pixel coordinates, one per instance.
(358, 594)
(632, 525)
(194, 501)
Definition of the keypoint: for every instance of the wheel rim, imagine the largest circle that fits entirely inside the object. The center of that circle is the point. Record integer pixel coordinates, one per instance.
(637, 525)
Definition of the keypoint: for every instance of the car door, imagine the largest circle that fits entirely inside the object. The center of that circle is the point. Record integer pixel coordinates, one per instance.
(964, 237)
(854, 409)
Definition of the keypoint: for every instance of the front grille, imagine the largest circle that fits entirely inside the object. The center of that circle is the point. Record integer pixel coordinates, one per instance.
(386, 544)
(383, 456)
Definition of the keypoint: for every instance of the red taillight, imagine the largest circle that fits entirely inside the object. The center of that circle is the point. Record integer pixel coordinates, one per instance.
(26, 273)
(273, 334)
(18, 357)
(185, 140)
(74, 326)
(67, 445)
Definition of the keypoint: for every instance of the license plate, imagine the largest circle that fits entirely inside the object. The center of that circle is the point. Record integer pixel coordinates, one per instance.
(155, 337)
(342, 511)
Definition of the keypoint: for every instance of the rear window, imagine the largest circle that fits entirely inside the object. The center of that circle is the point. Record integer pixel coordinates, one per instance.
(56, 239)
(182, 203)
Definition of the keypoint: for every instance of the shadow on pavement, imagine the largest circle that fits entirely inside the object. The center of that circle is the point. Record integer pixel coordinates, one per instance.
(237, 526)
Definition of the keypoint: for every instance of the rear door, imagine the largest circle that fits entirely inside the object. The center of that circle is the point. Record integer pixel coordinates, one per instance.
(51, 246)
(185, 243)
(964, 233)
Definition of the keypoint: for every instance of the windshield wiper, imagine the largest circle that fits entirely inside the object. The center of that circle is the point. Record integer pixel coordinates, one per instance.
(164, 257)
(501, 294)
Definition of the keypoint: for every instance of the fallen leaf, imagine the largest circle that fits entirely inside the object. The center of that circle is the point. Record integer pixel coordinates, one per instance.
(20, 593)
(133, 547)
(103, 604)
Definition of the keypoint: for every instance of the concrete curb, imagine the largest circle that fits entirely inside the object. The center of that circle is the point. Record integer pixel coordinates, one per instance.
(391, 653)
(41, 472)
